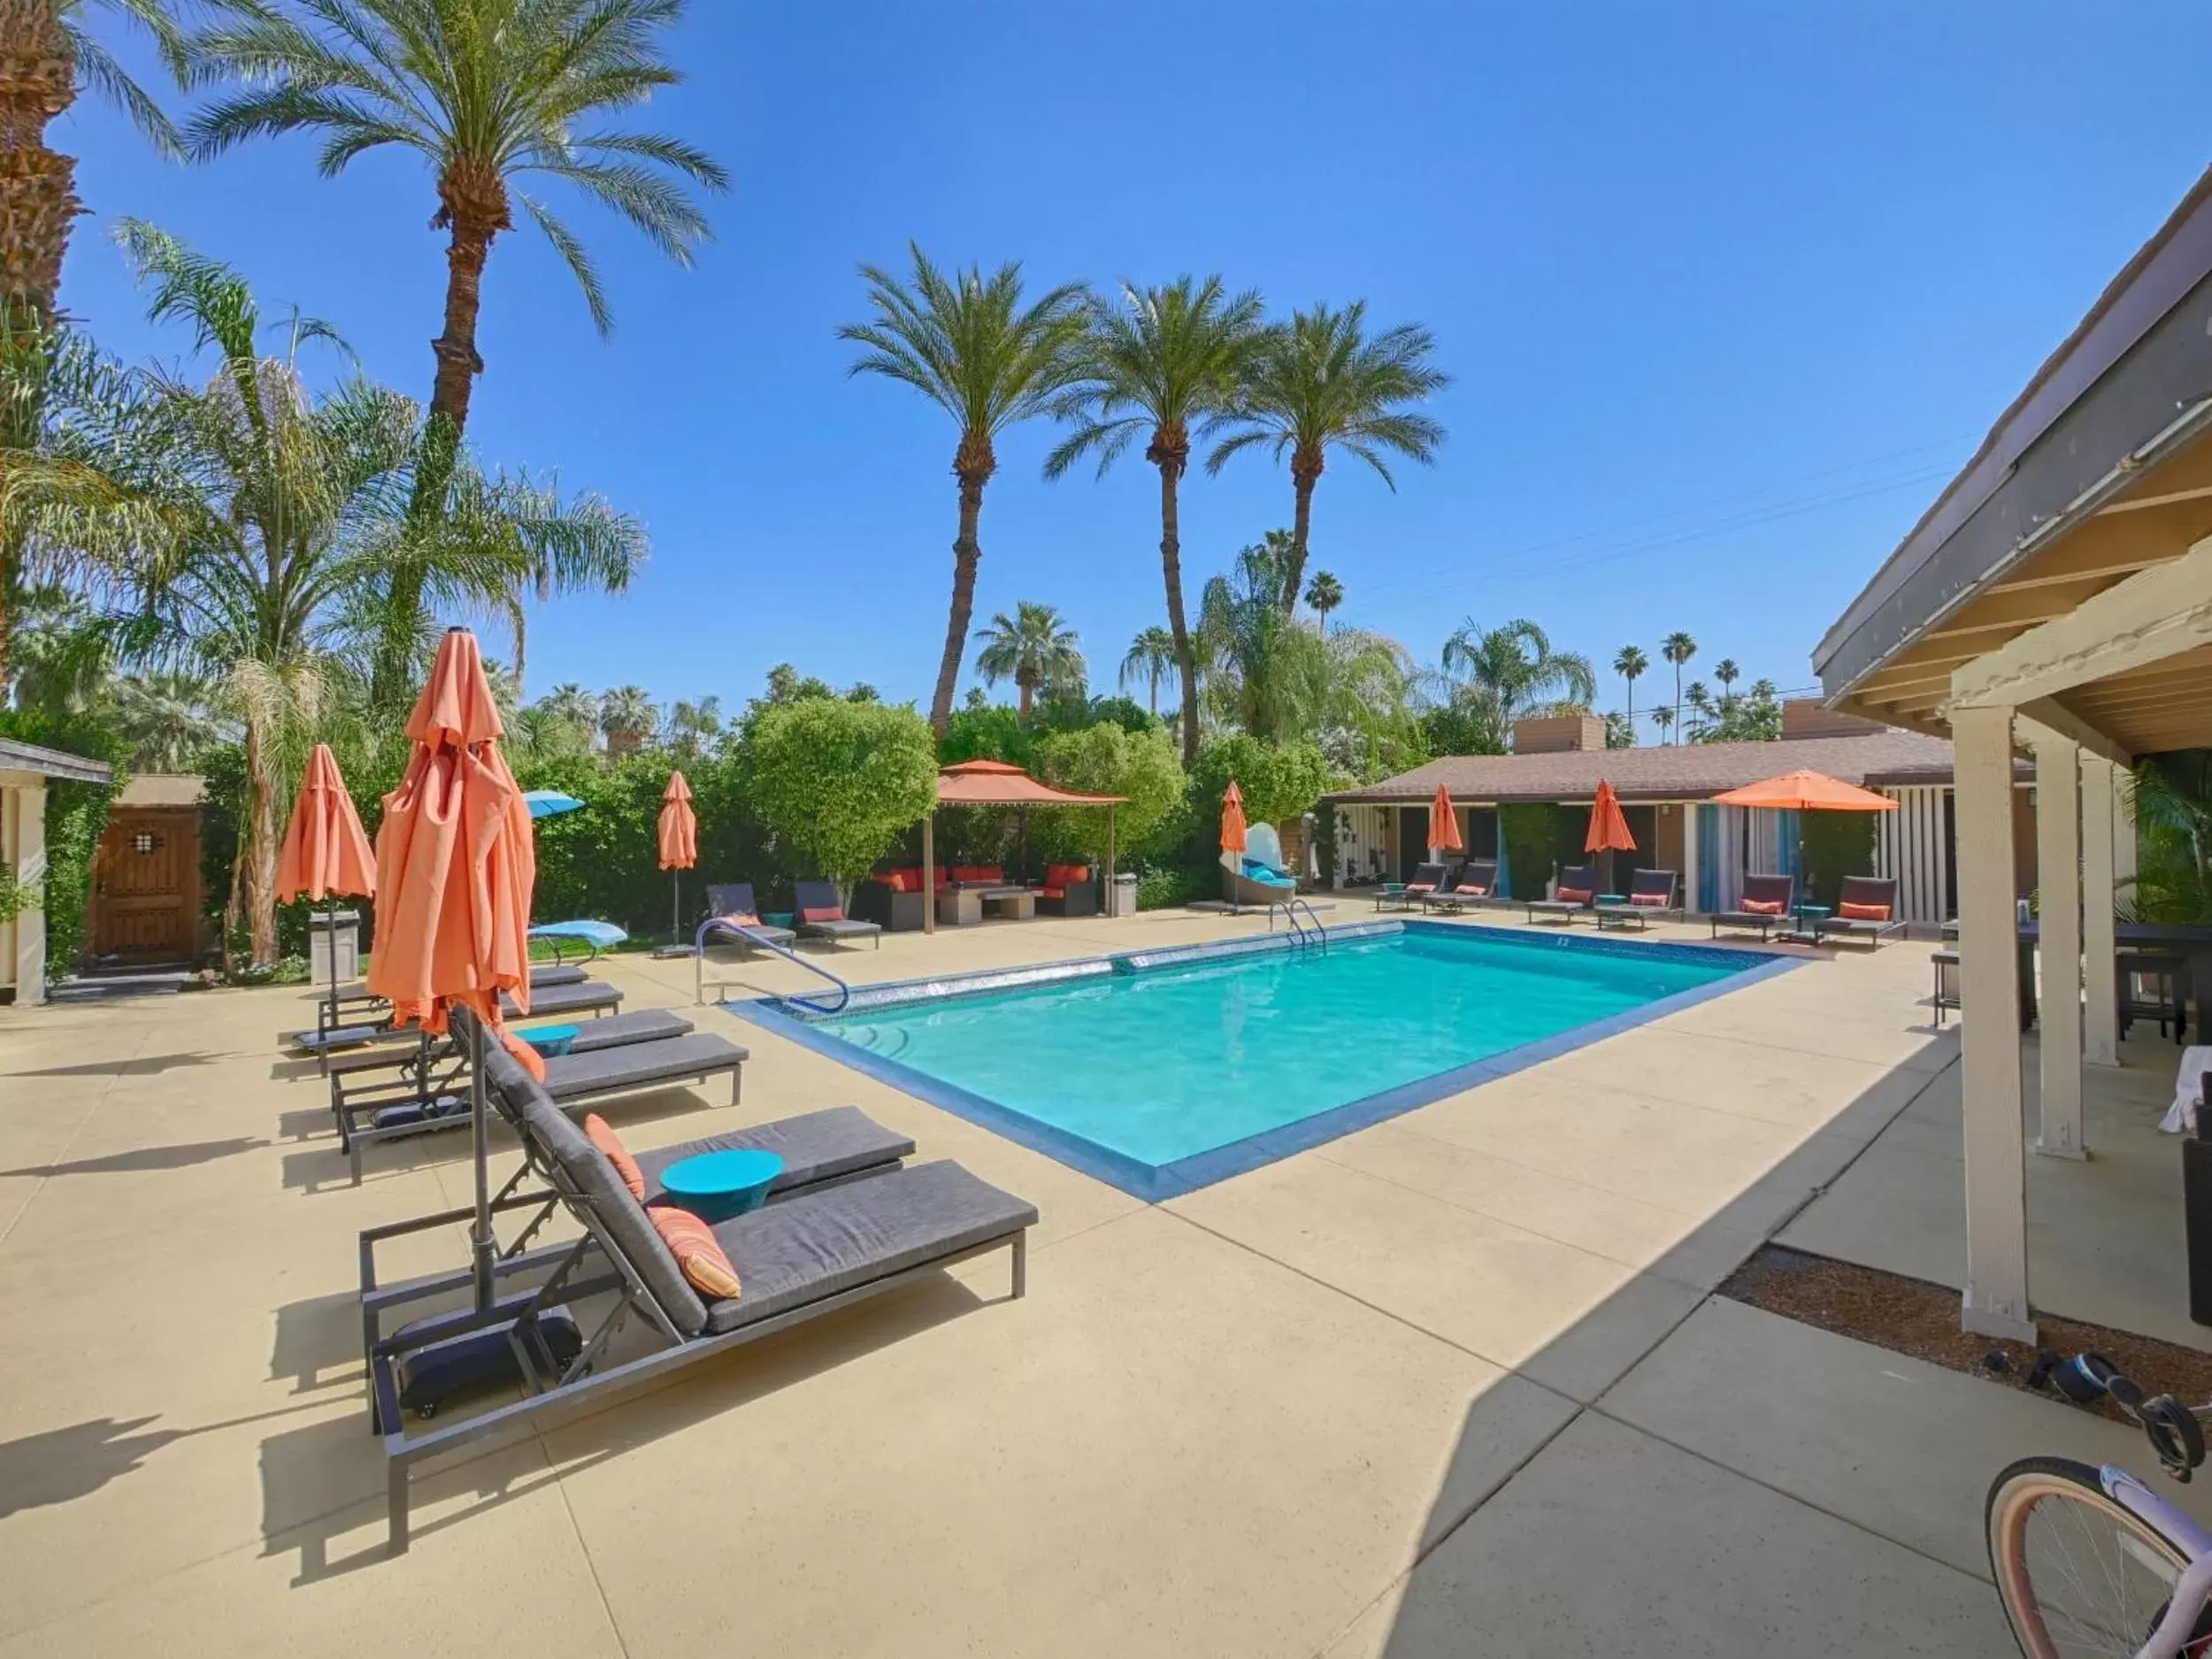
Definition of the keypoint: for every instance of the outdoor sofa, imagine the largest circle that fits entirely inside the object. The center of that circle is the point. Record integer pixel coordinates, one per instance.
(1425, 879)
(844, 1238)
(1068, 890)
(1653, 896)
(1474, 883)
(1866, 908)
(1576, 893)
(821, 915)
(893, 899)
(1768, 903)
(731, 904)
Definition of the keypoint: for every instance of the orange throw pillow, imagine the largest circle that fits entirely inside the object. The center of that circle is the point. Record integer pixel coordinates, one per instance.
(692, 1242)
(1764, 906)
(603, 1136)
(1652, 901)
(1574, 895)
(528, 1058)
(1471, 890)
(823, 913)
(1863, 912)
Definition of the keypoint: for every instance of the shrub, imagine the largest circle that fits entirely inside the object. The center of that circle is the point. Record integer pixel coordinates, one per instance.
(1170, 886)
(1277, 781)
(1837, 844)
(1525, 830)
(76, 817)
(837, 781)
(1107, 759)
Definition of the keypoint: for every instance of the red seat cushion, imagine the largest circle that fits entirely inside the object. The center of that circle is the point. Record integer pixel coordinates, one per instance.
(1650, 900)
(902, 881)
(1474, 890)
(1052, 893)
(1420, 886)
(823, 913)
(1574, 895)
(1764, 906)
(1863, 912)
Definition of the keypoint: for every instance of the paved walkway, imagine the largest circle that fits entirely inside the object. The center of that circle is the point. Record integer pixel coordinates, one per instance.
(1451, 1386)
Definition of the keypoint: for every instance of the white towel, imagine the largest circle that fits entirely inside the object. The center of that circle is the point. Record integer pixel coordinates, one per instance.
(2188, 1090)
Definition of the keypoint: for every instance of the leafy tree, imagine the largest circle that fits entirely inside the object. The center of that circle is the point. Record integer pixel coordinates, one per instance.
(1032, 649)
(1277, 781)
(1619, 732)
(838, 782)
(989, 730)
(2173, 813)
(1630, 664)
(573, 706)
(695, 728)
(629, 717)
(973, 348)
(1462, 726)
(1151, 654)
(1319, 383)
(1676, 649)
(1510, 673)
(1143, 767)
(1755, 718)
(1162, 363)
(491, 93)
(1323, 593)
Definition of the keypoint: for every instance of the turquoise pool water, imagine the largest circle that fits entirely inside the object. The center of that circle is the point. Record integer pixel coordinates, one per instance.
(1167, 1064)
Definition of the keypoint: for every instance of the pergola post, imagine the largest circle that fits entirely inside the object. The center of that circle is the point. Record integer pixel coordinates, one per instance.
(929, 871)
(2058, 880)
(1692, 904)
(1106, 898)
(1996, 1298)
(2101, 1044)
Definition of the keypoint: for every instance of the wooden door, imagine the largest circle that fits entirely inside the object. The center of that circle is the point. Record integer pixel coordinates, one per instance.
(146, 881)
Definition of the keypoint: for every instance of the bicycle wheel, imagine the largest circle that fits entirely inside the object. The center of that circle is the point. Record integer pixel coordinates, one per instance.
(2078, 1574)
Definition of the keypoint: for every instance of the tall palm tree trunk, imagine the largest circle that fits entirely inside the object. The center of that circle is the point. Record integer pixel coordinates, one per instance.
(1305, 472)
(1154, 699)
(1675, 724)
(257, 857)
(967, 553)
(38, 199)
(1028, 696)
(1170, 453)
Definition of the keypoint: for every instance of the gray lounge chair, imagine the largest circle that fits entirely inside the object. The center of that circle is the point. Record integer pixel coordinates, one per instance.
(355, 997)
(554, 1002)
(1425, 879)
(819, 897)
(1867, 892)
(1474, 883)
(1653, 896)
(1763, 890)
(1583, 879)
(813, 1253)
(728, 900)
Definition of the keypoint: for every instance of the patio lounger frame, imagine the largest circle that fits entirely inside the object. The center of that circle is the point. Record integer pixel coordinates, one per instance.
(822, 895)
(644, 1279)
(735, 898)
(583, 996)
(357, 995)
(1862, 890)
(1667, 883)
(1585, 877)
(1425, 879)
(1765, 888)
(1482, 872)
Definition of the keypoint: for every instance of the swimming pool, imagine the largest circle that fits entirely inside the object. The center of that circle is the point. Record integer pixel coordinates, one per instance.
(1163, 1072)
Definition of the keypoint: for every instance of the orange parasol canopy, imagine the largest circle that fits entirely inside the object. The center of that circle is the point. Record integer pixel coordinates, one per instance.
(1808, 792)
(1233, 820)
(455, 858)
(326, 852)
(1444, 823)
(678, 826)
(1609, 828)
(997, 783)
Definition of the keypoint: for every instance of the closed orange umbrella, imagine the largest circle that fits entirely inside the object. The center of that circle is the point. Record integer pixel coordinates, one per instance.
(1444, 823)
(326, 852)
(1609, 828)
(454, 859)
(679, 843)
(1232, 819)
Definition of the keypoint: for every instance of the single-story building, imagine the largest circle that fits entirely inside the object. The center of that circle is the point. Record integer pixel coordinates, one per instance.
(25, 769)
(1666, 793)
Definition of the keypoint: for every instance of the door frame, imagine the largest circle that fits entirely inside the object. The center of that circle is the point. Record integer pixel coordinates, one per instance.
(181, 820)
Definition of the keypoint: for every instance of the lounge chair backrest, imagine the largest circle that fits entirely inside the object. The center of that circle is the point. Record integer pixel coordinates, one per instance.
(618, 1219)
(1433, 874)
(730, 898)
(815, 896)
(1869, 890)
(1770, 889)
(1478, 873)
(1581, 879)
(1653, 881)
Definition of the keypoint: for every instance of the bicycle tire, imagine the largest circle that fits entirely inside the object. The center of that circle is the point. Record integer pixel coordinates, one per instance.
(2010, 1512)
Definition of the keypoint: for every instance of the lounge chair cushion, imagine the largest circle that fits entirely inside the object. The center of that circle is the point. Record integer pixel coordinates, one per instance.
(638, 1065)
(818, 1146)
(818, 1244)
(1764, 906)
(600, 1134)
(692, 1242)
(844, 927)
(1863, 912)
(822, 913)
(1649, 901)
(1574, 895)
(528, 1058)
(546, 1001)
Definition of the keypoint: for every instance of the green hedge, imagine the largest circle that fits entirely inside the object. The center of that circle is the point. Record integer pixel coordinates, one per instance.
(1837, 844)
(76, 817)
(1526, 829)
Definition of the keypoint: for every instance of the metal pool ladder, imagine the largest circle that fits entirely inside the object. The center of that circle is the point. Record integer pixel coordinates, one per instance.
(716, 924)
(1309, 934)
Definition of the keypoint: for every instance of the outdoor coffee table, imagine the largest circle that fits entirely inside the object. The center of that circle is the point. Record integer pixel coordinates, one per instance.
(1015, 903)
(1809, 917)
(960, 907)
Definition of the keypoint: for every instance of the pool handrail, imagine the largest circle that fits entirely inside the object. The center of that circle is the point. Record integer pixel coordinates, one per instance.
(1301, 935)
(723, 924)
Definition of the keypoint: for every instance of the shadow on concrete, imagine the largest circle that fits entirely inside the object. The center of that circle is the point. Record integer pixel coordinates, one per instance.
(61, 1465)
(144, 1159)
(147, 1066)
(316, 1336)
(290, 1070)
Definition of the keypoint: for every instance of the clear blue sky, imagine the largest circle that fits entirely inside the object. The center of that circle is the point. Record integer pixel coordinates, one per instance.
(1727, 288)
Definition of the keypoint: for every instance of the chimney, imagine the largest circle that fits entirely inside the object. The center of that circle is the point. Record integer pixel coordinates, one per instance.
(1807, 717)
(1558, 734)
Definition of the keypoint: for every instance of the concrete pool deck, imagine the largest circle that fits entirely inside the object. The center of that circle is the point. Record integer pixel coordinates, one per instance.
(1454, 1383)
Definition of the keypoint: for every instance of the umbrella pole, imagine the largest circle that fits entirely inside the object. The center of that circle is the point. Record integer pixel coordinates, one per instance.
(330, 958)
(480, 1244)
(676, 913)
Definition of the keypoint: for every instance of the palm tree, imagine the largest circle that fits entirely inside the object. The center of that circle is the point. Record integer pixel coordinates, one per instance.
(629, 717)
(970, 347)
(48, 57)
(1762, 691)
(1165, 360)
(1318, 383)
(1323, 593)
(1033, 649)
(1726, 672)
(583, 546)
(1701, 704)
(1678, 647)
(572, 704)
(1629, 663)
(250, 529)
(1151, 654)
(169, 719)
(695, 728)
(488, 93)
(1513, 670)
(1662, 717)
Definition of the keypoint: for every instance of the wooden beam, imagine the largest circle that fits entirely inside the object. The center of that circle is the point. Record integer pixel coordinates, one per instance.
(2153, 614)
(2172, 497)
(2048, 717)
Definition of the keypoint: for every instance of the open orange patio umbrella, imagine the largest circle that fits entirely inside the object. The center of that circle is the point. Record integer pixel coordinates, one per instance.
(456, 864)
(1807, 791)
(1444, 835)
(679, 843)
(325, 853)
(1609, 828)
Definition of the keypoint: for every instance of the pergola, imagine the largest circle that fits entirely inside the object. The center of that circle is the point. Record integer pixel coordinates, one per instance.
(996, 783)
(2058, 597)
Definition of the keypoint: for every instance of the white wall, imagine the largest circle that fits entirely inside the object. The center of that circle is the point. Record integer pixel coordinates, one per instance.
(1908, 848)
(23, 850)
(1362, 831)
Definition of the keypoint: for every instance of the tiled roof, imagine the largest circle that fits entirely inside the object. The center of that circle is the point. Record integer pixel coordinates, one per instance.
(1671, 772)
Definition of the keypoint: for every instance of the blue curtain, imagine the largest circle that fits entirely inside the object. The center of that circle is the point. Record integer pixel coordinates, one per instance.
(1788, 826)
(1708, 855)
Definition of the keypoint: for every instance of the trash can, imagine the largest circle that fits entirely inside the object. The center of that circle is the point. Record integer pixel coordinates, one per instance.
(1121, 896)
(334, 946)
